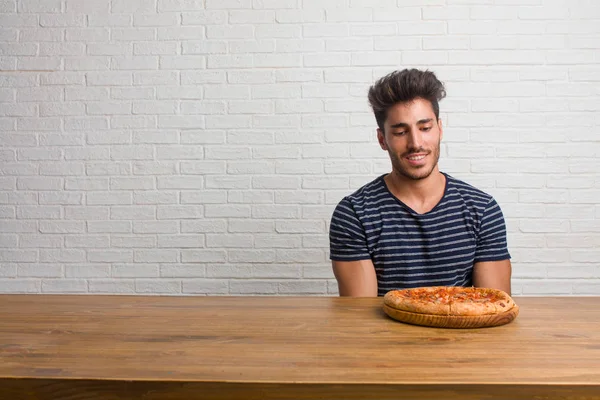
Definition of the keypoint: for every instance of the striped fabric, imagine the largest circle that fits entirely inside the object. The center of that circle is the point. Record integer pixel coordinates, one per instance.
(410, 249)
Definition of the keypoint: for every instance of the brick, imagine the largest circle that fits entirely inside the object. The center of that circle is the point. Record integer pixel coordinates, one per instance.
(306, 287)
(86, 184)
(8, 183)
(110, 255)
(276, 241)
(158, 19)
(226, 182)
(109, 78)
(204, 226)
(91, 63)
(226, 211)
(134, 63)
(111, 286)
(154, 107)
(38, 63)
(134, 152)
(131, 183)
(109, 226)
(203, 137)
(40, 271)
(136, 212)
(133, 6)
(62, 255)
(205, 47)
(252, 197)
(298, 197)
(182, 122)
(38, 212)
(229, 271)
(181, 241)
(155, 227)
(95, 7)
(340, 59)
(61, 49)
(179, 212)
(110, 137)
(87, 241)
(87, 271)
(251, 16)
(87, 213)
(155, 48)
(205, 17)
(229, 240)
(253, 286)
(246, 225)
(187, 182)
(7, 212)
(204, 197)
(61, 109)
(142, 122)
(13, 226)
(64, 286)
(252, 167)
(275, 211)
(180, 5)
(206, 286)
(276, 182)
(161, 255)
(154, 168)
(137, 241)
(110, 20)
(136, 270)
(155, 197)
(87, 34)
(300, 16)
(32, 183)
(108, 198)
(9, 241)
(211, 256)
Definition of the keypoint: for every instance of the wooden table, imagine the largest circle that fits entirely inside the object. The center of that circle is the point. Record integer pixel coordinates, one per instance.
(129, 347)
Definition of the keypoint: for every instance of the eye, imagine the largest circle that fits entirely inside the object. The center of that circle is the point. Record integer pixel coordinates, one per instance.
(426, 129)
(399, 133)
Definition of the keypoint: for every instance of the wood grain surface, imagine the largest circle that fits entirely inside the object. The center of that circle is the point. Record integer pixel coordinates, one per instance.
(126, 347)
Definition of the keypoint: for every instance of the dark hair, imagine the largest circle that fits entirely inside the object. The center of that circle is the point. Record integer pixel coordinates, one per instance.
(405, 86)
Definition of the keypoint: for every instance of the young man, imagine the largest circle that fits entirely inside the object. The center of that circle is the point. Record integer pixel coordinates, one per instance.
(415, 226)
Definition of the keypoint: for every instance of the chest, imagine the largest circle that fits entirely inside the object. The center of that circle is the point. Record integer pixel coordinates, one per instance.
(404, 235)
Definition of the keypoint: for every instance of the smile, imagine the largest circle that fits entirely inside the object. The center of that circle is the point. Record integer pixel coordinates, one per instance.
(416, 158)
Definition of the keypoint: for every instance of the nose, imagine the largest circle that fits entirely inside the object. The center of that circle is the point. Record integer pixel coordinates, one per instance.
(414, 139)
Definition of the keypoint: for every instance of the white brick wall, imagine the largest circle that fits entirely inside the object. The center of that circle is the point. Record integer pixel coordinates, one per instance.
(200, 146)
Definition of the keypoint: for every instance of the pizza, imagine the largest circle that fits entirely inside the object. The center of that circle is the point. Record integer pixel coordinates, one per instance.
(450, 306)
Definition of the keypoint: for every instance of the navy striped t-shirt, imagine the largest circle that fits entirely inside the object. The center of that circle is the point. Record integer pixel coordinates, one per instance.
(437, 248)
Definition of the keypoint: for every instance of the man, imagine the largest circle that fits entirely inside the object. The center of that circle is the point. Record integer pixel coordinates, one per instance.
(415, 226)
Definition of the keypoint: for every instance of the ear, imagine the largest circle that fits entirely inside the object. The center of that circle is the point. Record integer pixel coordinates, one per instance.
(440, 128)
(381, 139)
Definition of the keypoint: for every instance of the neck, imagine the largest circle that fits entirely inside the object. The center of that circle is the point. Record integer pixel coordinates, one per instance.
(419, 191)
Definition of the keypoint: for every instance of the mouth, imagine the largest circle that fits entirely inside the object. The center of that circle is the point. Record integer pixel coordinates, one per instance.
(416, 159)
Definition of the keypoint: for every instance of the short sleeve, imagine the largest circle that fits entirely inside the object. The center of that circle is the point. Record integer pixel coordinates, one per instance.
(491, 242)
(347, 239)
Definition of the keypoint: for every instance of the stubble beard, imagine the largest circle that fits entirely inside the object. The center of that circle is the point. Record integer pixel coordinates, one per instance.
(412, 173)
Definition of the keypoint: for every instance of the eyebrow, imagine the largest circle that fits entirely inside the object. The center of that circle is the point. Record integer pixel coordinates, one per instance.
(405, 125)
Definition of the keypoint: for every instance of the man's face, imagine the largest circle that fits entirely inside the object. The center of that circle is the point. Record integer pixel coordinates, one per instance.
(412, 137)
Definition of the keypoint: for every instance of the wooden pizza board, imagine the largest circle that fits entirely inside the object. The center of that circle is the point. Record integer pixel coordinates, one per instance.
(452, 321)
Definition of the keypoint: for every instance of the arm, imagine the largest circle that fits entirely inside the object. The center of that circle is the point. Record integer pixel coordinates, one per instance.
(356, 278)
(492, 274)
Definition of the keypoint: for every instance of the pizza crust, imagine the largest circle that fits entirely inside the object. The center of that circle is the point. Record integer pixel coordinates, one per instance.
(417, 301)
(450, 301)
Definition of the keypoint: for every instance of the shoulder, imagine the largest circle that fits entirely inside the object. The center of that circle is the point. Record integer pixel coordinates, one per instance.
(366, 195)
(361, 204)
(469, 194)
(369, 193)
